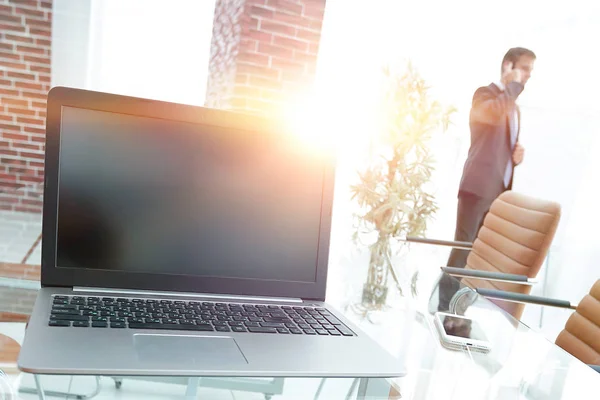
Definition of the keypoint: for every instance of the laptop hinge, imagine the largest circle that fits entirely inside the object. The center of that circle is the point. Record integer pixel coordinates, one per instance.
(229, 297)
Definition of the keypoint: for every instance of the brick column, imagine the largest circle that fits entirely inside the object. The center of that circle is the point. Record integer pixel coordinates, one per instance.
(24, 83)
(262, 52)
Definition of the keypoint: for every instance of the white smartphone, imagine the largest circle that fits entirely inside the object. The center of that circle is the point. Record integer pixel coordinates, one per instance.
(458, 333)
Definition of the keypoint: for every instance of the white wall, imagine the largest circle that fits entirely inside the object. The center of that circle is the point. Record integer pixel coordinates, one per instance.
(156, 49)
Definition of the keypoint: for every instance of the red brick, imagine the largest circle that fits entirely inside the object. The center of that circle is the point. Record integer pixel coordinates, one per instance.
(290, 43)
(10, 56)
(6, 9)
(38, 23)
(261, 12)
(274, 27)
(287, 6)
(254, 58)
(42, 42)
(5, 83)
(27, 146)
(11, 28)
(32, 50)
(41, 69)
(313, 48)
(315, 24)
(38, 104)
(36, 164)
(6, 117)
(314, 10)
(31, 121)
(13, 102)
(21, 111)
(28, 202)
(311, 36)
(39, 139)
(33, 95)
(46, 4)
(14, 136)
(30, 12)
(25, 208)
(27, 85)
(260, 36)
(27, 3)
(31, 129)
(246, 91)
(41, 113)
(241, 79)
(8, 177)
(20, 75)
(11, 19)
(26, 154)
(16, 38)
(291, 19)
(248, 45)
(39, 60)
(38, 31)
(276, 51)
(7, 46)
(14, 65)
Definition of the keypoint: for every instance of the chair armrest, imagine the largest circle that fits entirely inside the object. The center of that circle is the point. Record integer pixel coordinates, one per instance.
(595, 367)
(489, 275)
(524, 298)
(450, 243)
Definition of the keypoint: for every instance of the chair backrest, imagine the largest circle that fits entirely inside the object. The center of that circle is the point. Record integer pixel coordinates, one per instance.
(581, 336)
(514, 238)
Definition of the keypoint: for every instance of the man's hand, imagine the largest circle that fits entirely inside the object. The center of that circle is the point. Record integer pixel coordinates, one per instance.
(518, 154)
(512, 75)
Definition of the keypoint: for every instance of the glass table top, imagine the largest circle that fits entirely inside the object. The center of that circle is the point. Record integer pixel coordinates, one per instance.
(522, 364)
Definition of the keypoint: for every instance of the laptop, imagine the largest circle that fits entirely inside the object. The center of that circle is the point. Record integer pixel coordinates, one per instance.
(186, 241)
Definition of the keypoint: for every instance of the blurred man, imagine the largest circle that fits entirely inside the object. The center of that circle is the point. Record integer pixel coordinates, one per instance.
(495, 149)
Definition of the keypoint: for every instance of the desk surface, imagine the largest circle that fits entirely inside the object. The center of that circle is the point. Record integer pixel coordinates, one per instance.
(521, 365)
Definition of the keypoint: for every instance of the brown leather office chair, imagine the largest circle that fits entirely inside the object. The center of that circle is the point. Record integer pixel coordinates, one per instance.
(510, 247)
(581, 335)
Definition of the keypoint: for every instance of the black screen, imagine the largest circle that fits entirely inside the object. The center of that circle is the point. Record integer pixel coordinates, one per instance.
(461, 327)
(141, 194)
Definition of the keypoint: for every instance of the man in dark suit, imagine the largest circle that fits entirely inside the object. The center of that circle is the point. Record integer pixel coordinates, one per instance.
(495, 149)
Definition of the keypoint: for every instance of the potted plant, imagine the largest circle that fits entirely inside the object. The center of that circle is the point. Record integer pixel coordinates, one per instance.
(392, 192)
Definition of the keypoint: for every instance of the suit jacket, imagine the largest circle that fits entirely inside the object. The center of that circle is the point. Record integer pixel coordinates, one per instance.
(491, 122)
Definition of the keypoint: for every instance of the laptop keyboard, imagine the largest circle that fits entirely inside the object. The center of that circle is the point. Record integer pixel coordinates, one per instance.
(135, 313)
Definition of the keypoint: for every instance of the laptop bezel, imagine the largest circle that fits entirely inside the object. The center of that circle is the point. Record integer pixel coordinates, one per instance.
(51, 275)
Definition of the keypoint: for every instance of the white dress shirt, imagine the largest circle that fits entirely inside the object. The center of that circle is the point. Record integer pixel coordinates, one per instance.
(513, 139)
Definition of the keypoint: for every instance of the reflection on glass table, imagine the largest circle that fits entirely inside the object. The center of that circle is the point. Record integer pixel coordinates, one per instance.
(521, 364)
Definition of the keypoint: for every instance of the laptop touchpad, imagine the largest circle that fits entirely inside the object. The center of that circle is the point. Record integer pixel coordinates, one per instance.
(186, 351)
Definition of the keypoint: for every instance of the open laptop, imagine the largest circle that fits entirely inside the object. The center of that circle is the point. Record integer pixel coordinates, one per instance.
(179, 240)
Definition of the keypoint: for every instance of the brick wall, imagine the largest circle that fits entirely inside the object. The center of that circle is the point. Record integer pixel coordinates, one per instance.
(16, 304)
(263, 52)
(25, 27)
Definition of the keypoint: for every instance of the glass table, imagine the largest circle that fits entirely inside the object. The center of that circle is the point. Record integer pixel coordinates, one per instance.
(521, 365)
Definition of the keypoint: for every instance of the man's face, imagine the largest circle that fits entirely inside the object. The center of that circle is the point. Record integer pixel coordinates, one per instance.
(525, 64)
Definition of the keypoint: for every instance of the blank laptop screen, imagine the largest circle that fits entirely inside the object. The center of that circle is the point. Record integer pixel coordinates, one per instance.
(141, 194)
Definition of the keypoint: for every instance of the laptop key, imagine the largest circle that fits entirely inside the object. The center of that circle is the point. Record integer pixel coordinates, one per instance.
(296, 331)
(290, 325)
(238, 329)
(64, 307)
(322, 331)
(344, 331)
(64, 311)
(54, 322)
(261, 330)
(253, 324)
(81, 324)
(333, 320)
(282, 330)
(236, 323)
(334, 333)
(117, 319)
(222, 329)
(272, 324)
(60, 301)
(99, 319)
(117, 325)
(310, 331)
(68, 317)
(99, 324)
(61, 297)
